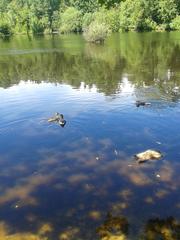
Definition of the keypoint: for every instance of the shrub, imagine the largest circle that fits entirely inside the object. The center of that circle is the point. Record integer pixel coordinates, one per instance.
(96, 32)
(149, 24)
(175, 24)
(71, 20)
(87, 19)
(109, 17)
(162, 27)
(113, 20)
(55, 21)
(86, 6)
(133, 15)
(5, 29)
(167, 10)
(38, 26)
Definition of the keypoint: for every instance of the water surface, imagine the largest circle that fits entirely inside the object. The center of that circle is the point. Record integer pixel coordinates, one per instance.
(74, 182)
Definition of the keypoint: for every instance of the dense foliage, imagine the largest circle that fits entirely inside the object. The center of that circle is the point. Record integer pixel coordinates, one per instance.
(96, 32)
(48, 16)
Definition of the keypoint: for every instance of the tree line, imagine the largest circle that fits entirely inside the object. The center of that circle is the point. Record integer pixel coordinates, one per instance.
(64, 16)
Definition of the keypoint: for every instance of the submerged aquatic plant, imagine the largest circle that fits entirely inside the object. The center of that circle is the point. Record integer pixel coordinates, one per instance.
(113, 228)
(166, 229)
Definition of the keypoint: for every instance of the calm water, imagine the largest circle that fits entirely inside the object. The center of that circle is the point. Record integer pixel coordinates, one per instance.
(75, 182)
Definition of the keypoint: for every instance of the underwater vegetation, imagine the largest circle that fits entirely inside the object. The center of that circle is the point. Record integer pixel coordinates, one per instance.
(114, 227)
(166, 229)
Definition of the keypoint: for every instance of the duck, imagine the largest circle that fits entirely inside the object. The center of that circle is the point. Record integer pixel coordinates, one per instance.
(142, 103)
(59, 118)
(55, 118)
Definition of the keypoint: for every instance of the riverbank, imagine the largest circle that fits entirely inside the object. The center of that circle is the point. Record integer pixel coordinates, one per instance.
(53, 16)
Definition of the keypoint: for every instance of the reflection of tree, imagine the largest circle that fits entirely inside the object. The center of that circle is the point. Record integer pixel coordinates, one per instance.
(57, 68)
(165, 229)
(113, 226)
(148, 59)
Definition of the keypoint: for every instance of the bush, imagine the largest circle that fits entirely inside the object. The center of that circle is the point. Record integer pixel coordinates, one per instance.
(96, 32)
(55, 21)
(113, 20)
(5, 29)
(109, 17)
(38, 26)
(162, 27)
(175, 24)
(87, 19)
(149, 24)
(85, 6)
(136, 16)
(71, 20)
(167, 11)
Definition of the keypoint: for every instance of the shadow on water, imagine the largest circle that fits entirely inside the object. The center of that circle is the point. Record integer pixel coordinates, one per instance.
(81, 181)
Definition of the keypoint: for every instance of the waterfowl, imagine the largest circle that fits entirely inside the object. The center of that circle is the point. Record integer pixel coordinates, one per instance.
(55, 118)
(59, 118)
(142, 103)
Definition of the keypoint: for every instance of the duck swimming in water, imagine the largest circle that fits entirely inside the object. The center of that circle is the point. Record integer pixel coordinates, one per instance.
(59, 118)
(142, 103)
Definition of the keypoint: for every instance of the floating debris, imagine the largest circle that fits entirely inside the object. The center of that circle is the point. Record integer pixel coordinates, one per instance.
(142, 103)
(97, 158)
(158, 176)
(159, 143)
(148, 155)
(58, 118)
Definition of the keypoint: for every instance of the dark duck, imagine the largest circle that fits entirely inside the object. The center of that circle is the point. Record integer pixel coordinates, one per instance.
(58, 118)
(142, 103)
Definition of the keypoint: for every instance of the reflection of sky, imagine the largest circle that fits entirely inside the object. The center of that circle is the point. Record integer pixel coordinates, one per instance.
(83, 171)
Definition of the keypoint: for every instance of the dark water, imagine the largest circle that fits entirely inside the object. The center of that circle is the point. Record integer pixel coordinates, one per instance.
(81, 181)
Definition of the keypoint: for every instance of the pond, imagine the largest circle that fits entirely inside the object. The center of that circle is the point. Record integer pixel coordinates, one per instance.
(82, 181)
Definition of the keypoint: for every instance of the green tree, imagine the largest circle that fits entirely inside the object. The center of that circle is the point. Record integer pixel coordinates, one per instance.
(26, 16)
(85, 6)
(175, 24)
(167, 10)
(132, 14)
(71, 20)
(108, 17)
(109, 3)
